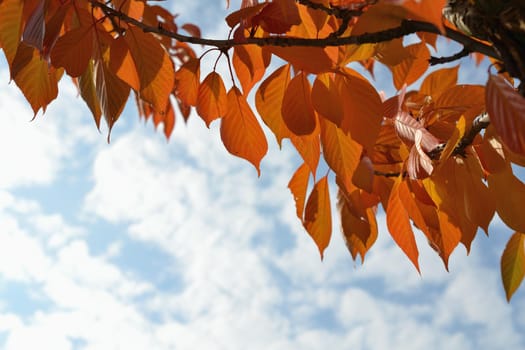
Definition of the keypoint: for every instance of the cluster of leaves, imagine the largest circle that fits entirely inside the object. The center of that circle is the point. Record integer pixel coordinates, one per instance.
(420, 154)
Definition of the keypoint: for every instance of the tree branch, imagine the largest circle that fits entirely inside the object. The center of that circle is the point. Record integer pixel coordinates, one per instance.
(406, 27)
(446, 59)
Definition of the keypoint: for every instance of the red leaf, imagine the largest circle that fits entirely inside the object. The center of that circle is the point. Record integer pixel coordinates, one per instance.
(317, 215)
(506, 109)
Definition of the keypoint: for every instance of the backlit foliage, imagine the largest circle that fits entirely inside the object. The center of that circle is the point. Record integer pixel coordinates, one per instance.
(438, 158)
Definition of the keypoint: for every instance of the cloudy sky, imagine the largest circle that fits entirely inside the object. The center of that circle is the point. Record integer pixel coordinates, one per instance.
(148, 244)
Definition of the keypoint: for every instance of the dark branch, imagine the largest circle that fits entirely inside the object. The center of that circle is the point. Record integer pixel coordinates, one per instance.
(446, 59)
(406, 27)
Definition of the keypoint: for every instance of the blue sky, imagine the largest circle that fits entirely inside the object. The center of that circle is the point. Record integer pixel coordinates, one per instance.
(148, 244)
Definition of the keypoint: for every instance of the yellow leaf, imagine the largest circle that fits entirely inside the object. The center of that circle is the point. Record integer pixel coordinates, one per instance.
(509, 193)
(318, 216)
(513, 264)
(240, 131)
(212, 102)
(86, 85)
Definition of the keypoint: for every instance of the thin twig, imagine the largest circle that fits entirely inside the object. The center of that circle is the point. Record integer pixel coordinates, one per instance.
(446, 59)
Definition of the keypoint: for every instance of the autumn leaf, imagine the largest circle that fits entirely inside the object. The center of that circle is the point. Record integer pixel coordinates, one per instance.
(240, 132)
(86, 85)
(33, 75)
(73, 51)
(398, 223)
(439, 81)
(509, 193)
(269, 99)
(250, 63)
(513, 264)
(212, 102)
(297, 109)
(318, 216)
(154, 67)
(10, 27)
(278, 16)
(506, 109)
(412, 68)
(188, 81)
(298, 185)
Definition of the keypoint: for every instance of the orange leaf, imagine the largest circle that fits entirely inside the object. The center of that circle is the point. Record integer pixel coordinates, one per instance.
(297, 109)
(318, 61)
(309, 148)
(509, 193)
(317, 215)
(340, 152)
(73, 50)
(379, 17)
(363, 110)
(154, 67)
(244, 13)
(212, 102)
(398, 223)
(439, 81)
(278, 16)
(506, 109)
(359, 233)
(250, 63)
(429, 11)
(326, 99)
(269, 99)
(240, 132)
(10, 27)
(412, 68)
(513, 264)
(33, 75)
(166, 117)
(298, 185)
(188, 82)
(121, 63)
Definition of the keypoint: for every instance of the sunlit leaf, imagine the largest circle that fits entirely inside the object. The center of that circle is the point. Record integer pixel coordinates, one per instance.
(154, 67)
(269, 99)
(513, 264)
(212, 102)
(297, 109)
(88, 92)
(188, 81)
(318, 216)
(509, 193)
(33, 75)
(10, 27)
(250, 63)
(412, 68)
(240, 131)
(399, 226)
(439, 81)
(298, 185)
